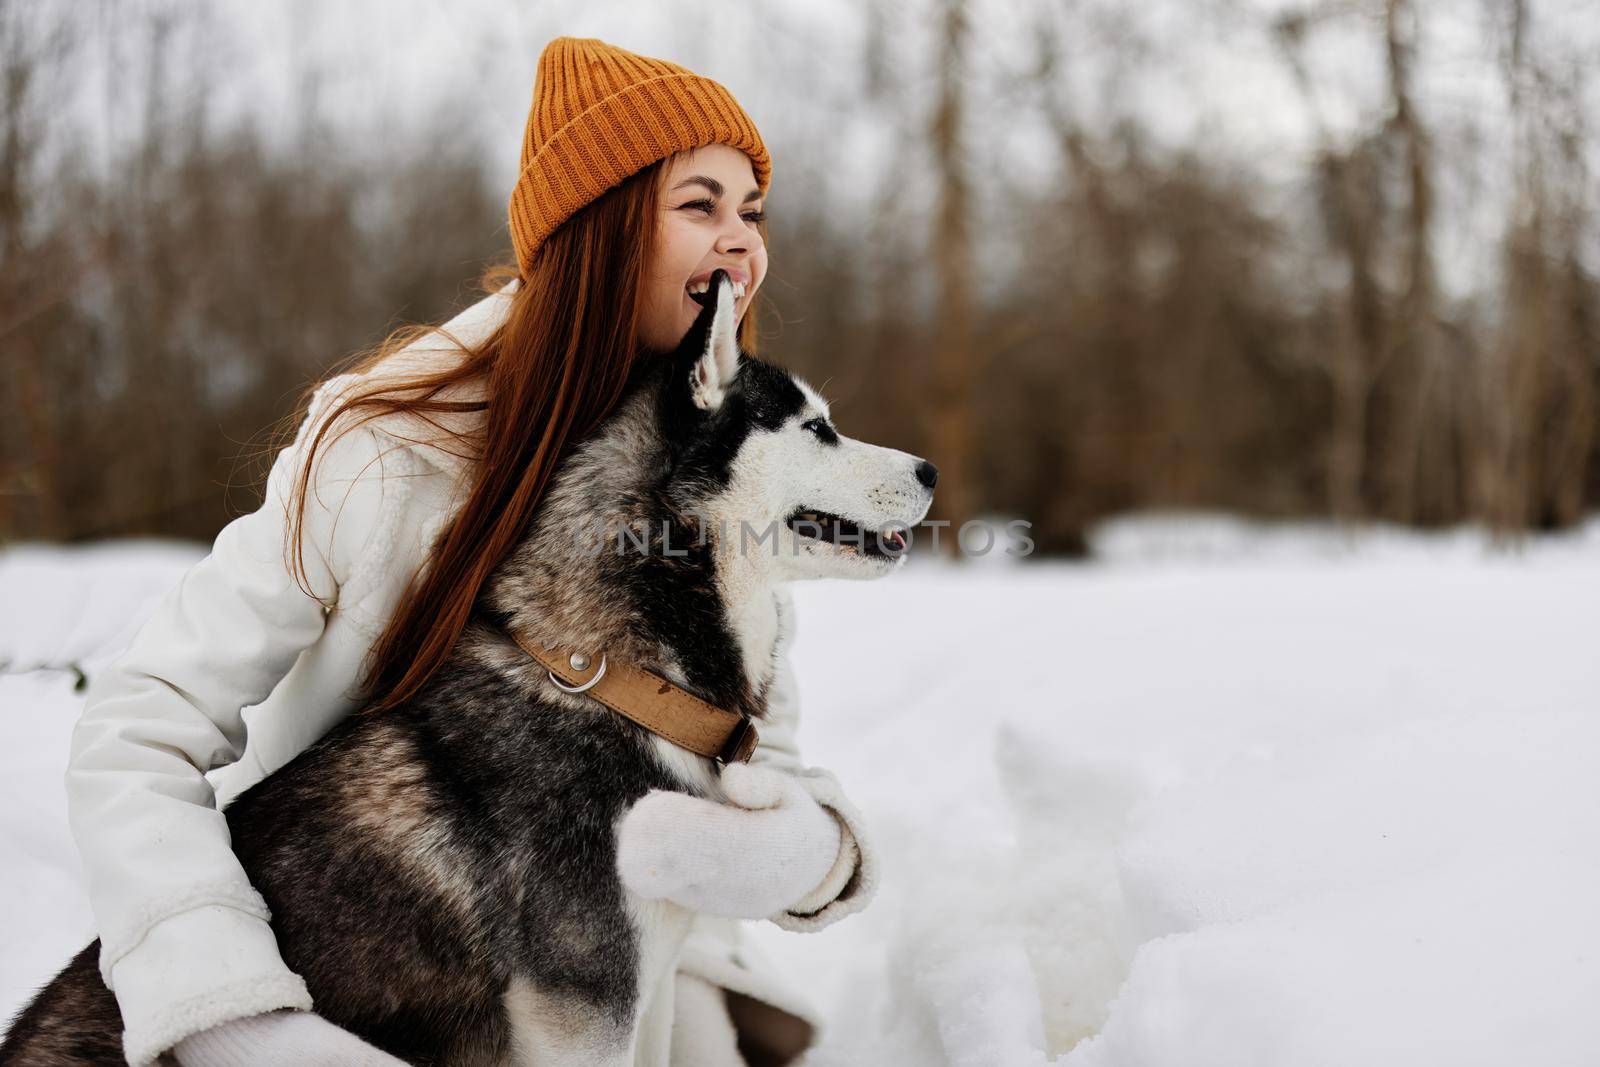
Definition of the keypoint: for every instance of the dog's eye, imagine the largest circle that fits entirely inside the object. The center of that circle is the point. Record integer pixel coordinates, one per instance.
(821, 429)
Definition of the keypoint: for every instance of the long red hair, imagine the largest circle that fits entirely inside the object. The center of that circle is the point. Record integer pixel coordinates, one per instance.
(552, 371)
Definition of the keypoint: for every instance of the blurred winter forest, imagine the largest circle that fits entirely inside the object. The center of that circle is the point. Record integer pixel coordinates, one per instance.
(1330, 258)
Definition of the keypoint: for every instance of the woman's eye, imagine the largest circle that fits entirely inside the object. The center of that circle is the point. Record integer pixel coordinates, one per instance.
(710, 208)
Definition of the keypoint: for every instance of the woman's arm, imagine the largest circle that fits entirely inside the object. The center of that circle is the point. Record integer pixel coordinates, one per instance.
(787, 846)
(853, 880)
(185, 940)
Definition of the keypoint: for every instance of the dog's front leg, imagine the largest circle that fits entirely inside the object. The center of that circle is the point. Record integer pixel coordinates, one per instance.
(555, 1028)
(662, 927)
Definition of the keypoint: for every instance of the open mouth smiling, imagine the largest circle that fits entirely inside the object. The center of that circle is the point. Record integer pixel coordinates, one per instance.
(846, 535)
(700, 292)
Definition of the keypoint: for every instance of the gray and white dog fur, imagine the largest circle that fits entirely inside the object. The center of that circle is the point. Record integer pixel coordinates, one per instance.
(443, 876)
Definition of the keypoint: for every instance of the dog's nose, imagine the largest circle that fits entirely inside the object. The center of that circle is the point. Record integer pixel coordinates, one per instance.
(927, 474)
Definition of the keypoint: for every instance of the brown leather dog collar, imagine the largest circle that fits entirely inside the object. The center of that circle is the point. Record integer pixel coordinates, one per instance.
(659, 705)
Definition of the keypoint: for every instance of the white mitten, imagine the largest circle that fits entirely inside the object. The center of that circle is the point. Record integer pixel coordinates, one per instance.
(746, 862)
(285, 1038)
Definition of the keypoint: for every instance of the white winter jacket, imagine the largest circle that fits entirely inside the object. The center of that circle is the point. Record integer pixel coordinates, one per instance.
(239, 670)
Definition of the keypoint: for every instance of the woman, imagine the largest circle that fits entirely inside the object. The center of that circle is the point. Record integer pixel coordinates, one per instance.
(409, 479)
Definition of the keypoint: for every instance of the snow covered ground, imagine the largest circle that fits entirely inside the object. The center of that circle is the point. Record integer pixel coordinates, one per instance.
(1230, 795)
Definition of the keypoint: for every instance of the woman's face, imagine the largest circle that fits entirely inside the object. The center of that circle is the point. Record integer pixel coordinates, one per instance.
(706, 219)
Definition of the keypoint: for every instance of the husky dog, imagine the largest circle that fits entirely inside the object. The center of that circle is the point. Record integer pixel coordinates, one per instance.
(438, 875)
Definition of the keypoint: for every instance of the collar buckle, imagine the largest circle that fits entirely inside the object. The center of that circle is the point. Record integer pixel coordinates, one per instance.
(735, 749)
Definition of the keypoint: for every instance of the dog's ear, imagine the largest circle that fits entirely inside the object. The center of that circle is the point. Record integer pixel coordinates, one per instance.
(717, 359)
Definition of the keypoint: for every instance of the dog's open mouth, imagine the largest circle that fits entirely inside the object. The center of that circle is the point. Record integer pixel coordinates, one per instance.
(846, 535)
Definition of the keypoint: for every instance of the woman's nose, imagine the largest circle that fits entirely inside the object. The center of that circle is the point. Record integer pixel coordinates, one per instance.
(736, 238)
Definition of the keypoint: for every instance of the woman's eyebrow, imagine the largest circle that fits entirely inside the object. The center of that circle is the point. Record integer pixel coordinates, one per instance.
(715, 187)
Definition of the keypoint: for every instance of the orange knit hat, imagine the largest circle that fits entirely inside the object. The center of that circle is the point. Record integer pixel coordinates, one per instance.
(601, 113)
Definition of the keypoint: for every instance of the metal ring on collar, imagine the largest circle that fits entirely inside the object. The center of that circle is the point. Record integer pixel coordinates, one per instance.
(559, 684)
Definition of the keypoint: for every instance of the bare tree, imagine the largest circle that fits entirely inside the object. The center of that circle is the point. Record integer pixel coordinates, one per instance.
(956, 357)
